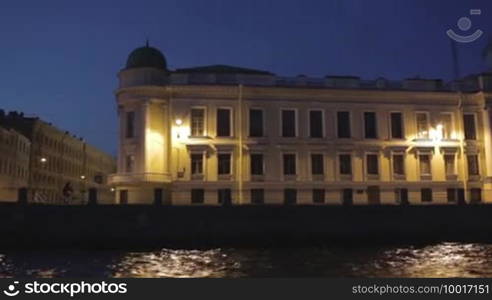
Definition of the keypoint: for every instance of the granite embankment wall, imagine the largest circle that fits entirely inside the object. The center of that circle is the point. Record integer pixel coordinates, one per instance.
(192, 226)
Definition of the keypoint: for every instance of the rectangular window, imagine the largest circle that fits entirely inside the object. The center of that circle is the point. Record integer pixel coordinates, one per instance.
(317, 163)
(370, 126)
(425, 164)
(347, 196)
(422, 126)
(343, 124)
(318, 196)
(130, 124)
(224, 196)
(316, 124)
(447, 125)
(372, 164)
(475, 195)
(255, 123)
(449, 164)
(130, 163)
(289, 162)
(426, 195)
(256, 164)
(469, 123)
(197, 164)
(224, 165)
(473, 169)
(452, 195)
(290, 196)
(396, 125)
(197, 196)
(197, 122)
(224, 122)
(401, 196)
(345, 161)
(399, 164)
(258, 196)
(289, 123)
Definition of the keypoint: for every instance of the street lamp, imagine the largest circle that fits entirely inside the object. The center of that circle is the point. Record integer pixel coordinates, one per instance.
(82, 177)
(43, 160)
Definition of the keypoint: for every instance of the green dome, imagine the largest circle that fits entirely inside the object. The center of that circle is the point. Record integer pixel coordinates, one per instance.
(146, 57)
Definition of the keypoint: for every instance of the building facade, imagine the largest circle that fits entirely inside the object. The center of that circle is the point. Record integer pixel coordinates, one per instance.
(225, 135)
(61, 167)
(14, 163)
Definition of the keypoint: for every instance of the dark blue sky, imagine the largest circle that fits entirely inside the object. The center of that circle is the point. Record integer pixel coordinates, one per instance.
(59, 59)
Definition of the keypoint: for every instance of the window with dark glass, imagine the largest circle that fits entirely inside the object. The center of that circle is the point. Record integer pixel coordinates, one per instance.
(224, 165)
(197, 122)
(317, 162)
(197, 196)
(130, 163)
(318, 196)
(345, 161)
(372, 164)
(401, 196)
(473, 165)
(316, 124)
(223, 122)
(343, 124)
(452, 195)
(426, 195)
(398, 164)
(289, 162)
(422, 125)
(370, 126)
(475, 195)
(256, 164)
(197, 164)
(130, 124)
(255, 122)
(290, 196)
(469, 123)
(449, 164)
(396, 125)
(257, 196)
(288, 123)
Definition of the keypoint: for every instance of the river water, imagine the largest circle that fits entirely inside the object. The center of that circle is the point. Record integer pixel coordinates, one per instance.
(433, 260)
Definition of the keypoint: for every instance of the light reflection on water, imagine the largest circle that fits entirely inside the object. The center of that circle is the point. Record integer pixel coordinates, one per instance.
(438, 260)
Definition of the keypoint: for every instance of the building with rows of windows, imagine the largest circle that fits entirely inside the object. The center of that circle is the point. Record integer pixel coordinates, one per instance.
(226, 135)
(44, 164)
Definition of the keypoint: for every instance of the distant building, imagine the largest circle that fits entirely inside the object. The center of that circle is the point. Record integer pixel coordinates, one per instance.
(14, 163)
(62, 168)
(222, 134)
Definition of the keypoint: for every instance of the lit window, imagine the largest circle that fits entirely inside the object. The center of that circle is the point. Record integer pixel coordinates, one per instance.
(425, 164)
(449, 164)
(197, 122)
(197, 164)
(422, 126)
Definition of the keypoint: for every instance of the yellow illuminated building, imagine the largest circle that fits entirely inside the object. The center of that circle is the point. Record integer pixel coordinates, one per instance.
(226, 135)
(59, 168)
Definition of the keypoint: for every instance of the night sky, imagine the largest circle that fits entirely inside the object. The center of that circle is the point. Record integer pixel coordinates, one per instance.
(59, 59)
